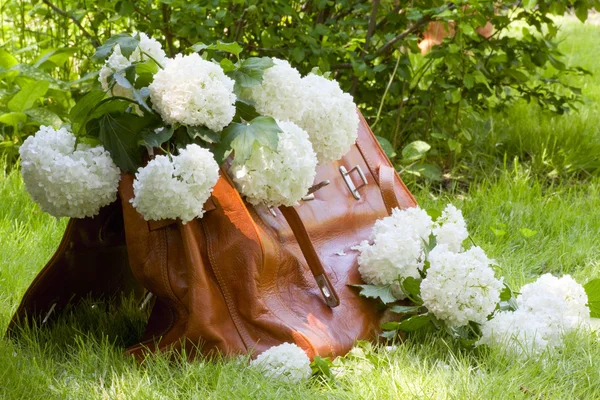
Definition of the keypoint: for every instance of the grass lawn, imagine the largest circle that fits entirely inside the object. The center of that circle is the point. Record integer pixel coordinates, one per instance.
(528, 223)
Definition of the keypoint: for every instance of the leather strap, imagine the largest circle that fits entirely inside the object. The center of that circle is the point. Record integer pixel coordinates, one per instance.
(311, 256)
(386, 185)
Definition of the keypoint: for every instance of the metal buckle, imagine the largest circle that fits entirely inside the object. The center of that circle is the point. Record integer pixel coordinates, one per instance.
(346, 175)
(327, 290)
(310, 194)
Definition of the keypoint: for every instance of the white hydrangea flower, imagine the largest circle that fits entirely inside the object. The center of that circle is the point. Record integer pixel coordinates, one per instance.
(175, 186)
(279, 177)
(278, 94)
(398, 247)
(451, 229)
(287, 363)
(548, 309)
(460, 287)
(64, 179)
(520, 332)
(118, 62)
(314, 103)
(562, 301)
(329, 116)
(192, 91)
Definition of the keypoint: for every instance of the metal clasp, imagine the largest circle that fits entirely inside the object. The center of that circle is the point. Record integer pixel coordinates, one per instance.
(346, 175)
(310, 194)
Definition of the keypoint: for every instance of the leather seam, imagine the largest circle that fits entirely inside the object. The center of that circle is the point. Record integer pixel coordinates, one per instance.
(279, 299)
(244, 335)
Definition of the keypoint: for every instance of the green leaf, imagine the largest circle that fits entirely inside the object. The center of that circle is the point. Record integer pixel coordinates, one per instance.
(227, 65)
(415, 150)
(82, 108)
(581, 10)
(55, 58)
(527, 232)
(498, 232)
(120, 134)
(529, 4)
(506, 293)
(412, 289)
(384, 293)
(43, 116)
(127, 43)
(592, 289)
(13, 118)
(386, 146)
(232, 48)
(203, 133)
(146, 67)
(404, 309)
(244, 136)
(7, 60)
(411, 324)
(137, 95)
(322, 366)
(250, 72)
(28, 94)
(154, 137)
(244, 110)
(427, 171)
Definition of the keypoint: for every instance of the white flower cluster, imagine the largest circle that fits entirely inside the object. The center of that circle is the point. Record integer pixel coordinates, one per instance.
(118, 62)
(397, 249)
(451, 229)
(192, 91)
(278, 94)
(175, 186)
(316, 104)
(548, 309)
(279, 177)
(287, 363)
(65, 180)
(460, 287)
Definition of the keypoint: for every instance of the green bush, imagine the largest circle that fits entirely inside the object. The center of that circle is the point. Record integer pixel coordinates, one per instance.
(423, 107)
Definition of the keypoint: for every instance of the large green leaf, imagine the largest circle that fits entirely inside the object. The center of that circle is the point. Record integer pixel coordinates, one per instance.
(203, 133)
(244, 110)
(232, 48)
(386, 146)
(121, 134)
(154, 137)
(410, 324)
(7, 60)
(415, 150)
(592, 289)
(13, 118)
(43, 116)
(55, 58)
(250, 72)
(244, 136)
(80, 111)
(138, 95)
(384, 293)
(127, 43)
(28, 94)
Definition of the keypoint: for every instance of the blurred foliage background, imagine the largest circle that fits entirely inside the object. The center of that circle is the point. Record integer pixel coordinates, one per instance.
(441, 115)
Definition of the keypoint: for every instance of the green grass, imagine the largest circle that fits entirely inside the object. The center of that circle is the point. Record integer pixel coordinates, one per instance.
(556, 147)
(529, 223)
(81, 356)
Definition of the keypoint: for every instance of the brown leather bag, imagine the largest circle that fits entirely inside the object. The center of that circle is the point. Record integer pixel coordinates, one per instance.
(245, 278)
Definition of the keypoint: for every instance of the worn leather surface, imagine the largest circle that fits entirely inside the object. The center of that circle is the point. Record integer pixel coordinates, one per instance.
(242, 280)
(238, 280)
(90, 263)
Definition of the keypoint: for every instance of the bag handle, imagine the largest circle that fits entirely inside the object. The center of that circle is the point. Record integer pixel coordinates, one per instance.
(387, 176)
(310, 254)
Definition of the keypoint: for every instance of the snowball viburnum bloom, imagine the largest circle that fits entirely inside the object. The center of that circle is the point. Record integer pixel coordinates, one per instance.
(279, 93)
(195, 92)
(548, 309)
(329, 116)
(175, 186)
(279, 177)
(397, 249)
(64, 179)
(287, 363)
(451, 229)
(460, 287)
